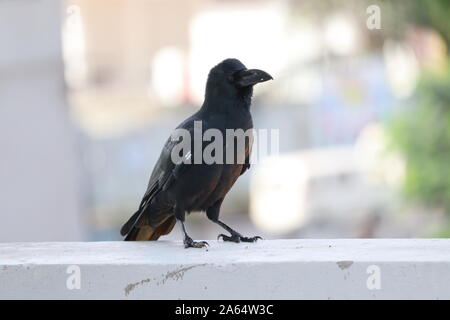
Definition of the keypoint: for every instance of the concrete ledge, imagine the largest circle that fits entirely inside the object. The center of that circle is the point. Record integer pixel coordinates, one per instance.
(278, 269)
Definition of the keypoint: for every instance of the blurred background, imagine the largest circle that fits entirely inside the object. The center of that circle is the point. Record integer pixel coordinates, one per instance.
(90, 90)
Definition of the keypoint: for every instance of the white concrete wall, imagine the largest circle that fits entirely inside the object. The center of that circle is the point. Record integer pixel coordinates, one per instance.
(39, 185)
(279, 269)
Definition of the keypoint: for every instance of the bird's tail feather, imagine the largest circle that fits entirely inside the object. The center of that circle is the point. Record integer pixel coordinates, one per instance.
(127, 227)
(140, 234)
(151, 192)
(146, 232)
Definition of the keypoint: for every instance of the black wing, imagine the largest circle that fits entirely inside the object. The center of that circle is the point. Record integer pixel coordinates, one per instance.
(164, 174)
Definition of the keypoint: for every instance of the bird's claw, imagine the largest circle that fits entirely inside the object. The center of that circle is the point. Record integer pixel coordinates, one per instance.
(251, 239)
(225, 238)
(238, 238)
(189, 243)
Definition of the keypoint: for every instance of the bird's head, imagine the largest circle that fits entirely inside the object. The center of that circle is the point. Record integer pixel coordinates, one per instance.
(231, 78)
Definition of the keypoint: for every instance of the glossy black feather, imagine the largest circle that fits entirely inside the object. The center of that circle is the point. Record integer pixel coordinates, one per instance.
(197, 187)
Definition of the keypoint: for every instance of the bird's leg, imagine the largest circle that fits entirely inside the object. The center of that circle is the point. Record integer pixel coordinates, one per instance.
(188, 242)
(213, 215)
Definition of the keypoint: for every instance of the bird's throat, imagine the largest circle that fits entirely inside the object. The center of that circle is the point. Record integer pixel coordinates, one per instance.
(225, 104)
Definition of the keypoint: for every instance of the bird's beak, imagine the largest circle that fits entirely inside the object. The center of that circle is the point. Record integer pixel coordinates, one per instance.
(245, 78)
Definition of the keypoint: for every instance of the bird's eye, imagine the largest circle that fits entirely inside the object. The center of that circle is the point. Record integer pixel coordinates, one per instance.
(230, 78)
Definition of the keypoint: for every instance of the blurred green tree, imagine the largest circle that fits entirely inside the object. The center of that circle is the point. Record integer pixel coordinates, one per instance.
(434, 14)
(422, 133)
(398, 15)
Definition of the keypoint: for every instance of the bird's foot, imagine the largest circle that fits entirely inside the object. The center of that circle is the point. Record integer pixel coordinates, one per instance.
(189, 243)
(250, 239)
(238, 238)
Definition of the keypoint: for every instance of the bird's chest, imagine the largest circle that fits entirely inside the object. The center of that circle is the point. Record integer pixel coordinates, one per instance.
(226, 179)
(236, 131)
(225, 150)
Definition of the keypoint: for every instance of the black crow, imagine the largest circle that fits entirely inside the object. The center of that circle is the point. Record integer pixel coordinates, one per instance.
(178, 187)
